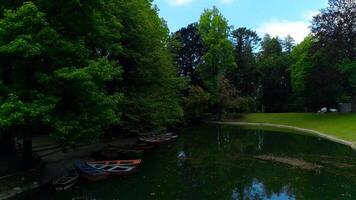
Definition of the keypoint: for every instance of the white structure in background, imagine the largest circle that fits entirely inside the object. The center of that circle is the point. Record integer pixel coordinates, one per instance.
(345, 107)
(333, 110)
(323, 110)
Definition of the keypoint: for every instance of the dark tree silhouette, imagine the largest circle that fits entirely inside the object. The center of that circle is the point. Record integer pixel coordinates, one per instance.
(335, 28)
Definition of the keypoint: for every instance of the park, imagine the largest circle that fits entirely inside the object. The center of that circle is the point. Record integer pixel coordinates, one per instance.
(178, 99)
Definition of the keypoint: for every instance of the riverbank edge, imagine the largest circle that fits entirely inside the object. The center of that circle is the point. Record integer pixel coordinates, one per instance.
(309, 131)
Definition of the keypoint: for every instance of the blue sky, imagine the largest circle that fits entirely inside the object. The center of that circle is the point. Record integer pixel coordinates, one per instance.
(276, 17)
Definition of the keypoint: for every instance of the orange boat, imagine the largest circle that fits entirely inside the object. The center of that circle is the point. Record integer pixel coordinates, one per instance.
(117, 162)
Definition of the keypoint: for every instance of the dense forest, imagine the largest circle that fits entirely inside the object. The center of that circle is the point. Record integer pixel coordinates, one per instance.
(78, 69)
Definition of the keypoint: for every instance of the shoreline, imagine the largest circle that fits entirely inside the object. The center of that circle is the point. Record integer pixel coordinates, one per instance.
(59, 160)
(310, 131)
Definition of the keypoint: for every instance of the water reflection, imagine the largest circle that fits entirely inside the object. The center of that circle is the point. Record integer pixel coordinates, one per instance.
(181, 158)
(220, 162)
(257, 191)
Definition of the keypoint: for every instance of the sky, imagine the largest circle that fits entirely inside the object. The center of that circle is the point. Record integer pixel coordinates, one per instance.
(275, 17)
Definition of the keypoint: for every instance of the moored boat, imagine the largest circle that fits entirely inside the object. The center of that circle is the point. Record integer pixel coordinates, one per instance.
(66, 180)
(90, 172)
(118, 162)
(158, 138)
(114, 169)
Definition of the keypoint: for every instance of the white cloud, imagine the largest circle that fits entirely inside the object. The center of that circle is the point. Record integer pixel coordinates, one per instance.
(227, 1)
(308, 15)
(179, 2)
(297, 29)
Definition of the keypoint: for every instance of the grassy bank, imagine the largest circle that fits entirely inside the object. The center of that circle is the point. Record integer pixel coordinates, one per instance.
(342, 126)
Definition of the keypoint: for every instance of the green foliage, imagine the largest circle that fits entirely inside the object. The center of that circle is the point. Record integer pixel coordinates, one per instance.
(245, 76)
(197, 103)
(92, 109)
(52, 78)
(189, 50)
(348, 69)
(15, 112)
(151, 89)
(218, 58)
(275, 77)
(229, 97)
(301, 64)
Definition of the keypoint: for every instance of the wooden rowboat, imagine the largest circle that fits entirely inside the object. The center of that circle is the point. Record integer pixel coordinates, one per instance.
(158, 138)
(66, 180)
(90, 172)
(118, 162)
(114, 169)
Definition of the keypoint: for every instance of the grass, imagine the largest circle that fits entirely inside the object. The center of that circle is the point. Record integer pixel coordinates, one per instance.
(342, 126)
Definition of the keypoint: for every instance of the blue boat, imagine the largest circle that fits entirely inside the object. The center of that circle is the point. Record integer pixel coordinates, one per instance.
(89, 172)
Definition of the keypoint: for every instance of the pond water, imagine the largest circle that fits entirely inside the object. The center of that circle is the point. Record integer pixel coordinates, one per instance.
(231, 162)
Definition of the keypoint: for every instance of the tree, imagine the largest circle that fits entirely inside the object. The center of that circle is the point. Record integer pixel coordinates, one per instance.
(52, 78)
(334, 28)
(275, 78)
(348, 69)
(190, 52)
(334, 33)
(152, 98)
(300, 68)
(229, 96)
(218, 58)
(244, 77)
(288, 44)
(197, 103)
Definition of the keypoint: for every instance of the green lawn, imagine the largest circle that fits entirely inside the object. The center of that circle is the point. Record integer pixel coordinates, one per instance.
(342, 126)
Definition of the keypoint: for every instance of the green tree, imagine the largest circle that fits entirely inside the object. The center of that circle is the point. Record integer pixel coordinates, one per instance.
(275, 77)
(218, 58)
(335, 29)
(314, 77)
(288, 44)
(197, 104)
(245, 76)
(189, 53)
(52, 78)
(152, 91)
(300, 67)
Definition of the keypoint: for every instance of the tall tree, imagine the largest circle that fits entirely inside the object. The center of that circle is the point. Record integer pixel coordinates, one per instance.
(288, 44)
(151, 88)
(335, 28)
(334, 31)
(189, 53)
(246, 74)
(300, 68)
(50, 79)
(218, 57)
(275, 78)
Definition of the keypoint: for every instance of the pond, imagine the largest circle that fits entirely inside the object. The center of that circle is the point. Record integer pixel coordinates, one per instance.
(231, 162)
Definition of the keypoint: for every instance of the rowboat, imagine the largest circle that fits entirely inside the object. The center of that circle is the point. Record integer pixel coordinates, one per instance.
(117, 162)
(114, 169)
(90, 172)
(66, 180)
(158, 138)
